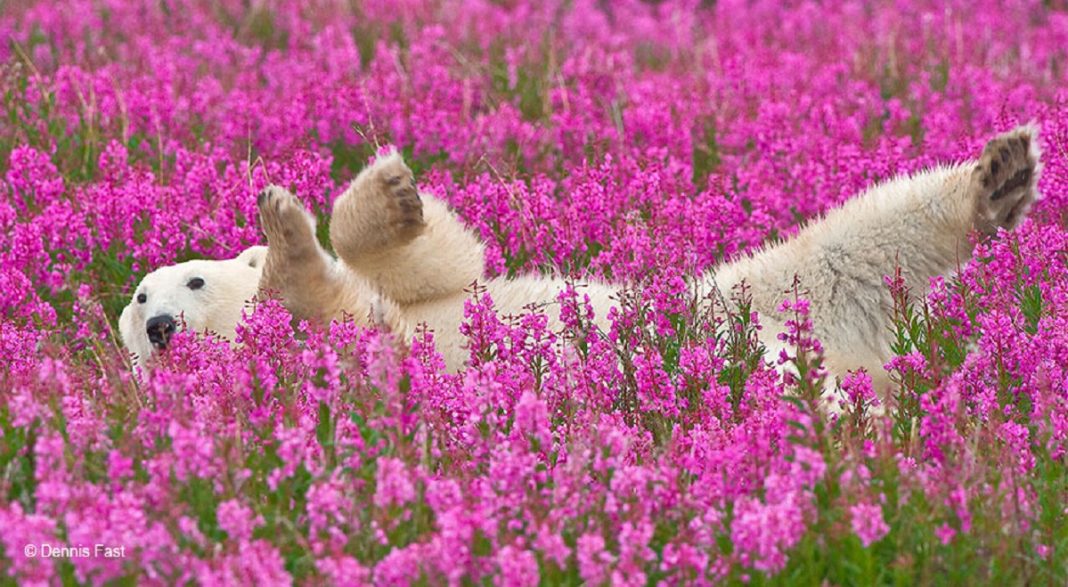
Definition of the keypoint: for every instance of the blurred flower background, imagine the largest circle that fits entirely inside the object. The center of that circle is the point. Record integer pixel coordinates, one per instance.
(635, 141)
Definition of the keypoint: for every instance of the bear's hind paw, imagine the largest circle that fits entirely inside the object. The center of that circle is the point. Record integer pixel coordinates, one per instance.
(392, 186)
(1005, 179)
(379, 211)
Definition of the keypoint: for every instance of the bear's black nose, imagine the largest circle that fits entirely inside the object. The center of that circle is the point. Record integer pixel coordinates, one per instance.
(160, 329)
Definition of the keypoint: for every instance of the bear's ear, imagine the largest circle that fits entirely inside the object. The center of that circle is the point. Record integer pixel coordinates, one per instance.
(253, 256)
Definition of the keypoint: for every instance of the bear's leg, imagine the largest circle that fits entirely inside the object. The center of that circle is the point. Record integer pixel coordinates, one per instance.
(296, 267)
(408, 245)
(920, 223)
(309, 282)
(1004, 180)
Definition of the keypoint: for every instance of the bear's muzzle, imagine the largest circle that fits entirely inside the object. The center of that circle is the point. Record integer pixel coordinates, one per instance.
(160, 329)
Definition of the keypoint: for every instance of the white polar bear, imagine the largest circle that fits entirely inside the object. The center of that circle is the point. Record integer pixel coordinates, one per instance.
(406, 259)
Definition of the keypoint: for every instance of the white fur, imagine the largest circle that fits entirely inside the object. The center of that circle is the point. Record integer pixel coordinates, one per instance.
(215, 307)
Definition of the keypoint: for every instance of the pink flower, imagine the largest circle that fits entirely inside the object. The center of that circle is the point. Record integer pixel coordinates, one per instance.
(593, 560)
(945, 533)
(393, 486)
(237, 520)
(868, 524)
(343, 570)
(763, 533)
(517, 567)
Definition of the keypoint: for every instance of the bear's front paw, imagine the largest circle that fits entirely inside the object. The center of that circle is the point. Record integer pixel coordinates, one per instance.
(293, 258)
(1005, 178)
(284, 219)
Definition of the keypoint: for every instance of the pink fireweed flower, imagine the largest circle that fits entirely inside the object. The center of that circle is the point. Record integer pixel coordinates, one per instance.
(237, 519)
(859, 395)
(593, 560)
(393, 486)
(656, 391)
(945, 533)
(21, 530)
(344, 570)
(763, 533)
(518, 567)
(867, 522)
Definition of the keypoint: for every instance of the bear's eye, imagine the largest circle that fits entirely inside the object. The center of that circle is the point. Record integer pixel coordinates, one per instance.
(141, 298)
(195, 283)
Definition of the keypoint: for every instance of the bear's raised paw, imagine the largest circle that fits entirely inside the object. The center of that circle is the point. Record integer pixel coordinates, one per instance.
(1004, 180)
(390, 187)
(293, 254)
(284, 219)
(381, 210)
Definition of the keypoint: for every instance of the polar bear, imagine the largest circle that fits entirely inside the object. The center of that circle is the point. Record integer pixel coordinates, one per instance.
(405, 259)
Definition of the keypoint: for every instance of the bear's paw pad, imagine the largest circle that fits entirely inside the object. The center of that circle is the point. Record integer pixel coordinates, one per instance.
(283, 218)
(1005, 179)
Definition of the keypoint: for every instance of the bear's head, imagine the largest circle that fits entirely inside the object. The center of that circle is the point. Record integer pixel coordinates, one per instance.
(202, 296)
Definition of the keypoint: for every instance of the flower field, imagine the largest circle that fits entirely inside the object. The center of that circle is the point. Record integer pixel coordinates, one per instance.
(640, 142)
